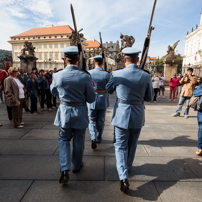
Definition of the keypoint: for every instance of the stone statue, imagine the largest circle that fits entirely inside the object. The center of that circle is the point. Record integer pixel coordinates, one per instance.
(73, 38)
(28, 47)
(171, 51)
(127, 41)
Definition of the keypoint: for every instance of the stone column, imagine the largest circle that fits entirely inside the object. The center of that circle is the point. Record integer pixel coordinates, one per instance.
(170, 68)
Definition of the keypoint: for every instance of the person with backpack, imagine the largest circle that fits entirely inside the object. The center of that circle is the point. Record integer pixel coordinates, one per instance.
(198, 93)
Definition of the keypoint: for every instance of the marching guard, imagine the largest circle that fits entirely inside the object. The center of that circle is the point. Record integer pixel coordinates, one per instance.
(97, 109)
(74, 88)
(133, 86)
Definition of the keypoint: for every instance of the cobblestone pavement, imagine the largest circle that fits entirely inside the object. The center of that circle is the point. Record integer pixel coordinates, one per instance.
(165, 168)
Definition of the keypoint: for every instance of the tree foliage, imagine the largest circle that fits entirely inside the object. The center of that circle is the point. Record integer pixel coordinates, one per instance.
(3, 55)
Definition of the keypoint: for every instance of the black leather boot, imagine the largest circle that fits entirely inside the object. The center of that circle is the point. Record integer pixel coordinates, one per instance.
(64, 177)
(124, 185)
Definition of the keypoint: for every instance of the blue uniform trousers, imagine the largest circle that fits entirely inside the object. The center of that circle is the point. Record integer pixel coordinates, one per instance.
(96, 123)
(125, 147)
(66, 135)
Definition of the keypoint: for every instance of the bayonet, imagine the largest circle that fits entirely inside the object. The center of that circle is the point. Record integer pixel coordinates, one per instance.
(103, 55)
(147, 40)
(78, 40)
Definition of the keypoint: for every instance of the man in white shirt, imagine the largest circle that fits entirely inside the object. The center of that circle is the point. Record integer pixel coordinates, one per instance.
(161, 86)
(155, 83)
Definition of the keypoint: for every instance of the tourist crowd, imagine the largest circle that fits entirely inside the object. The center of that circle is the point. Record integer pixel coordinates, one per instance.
(19, 90)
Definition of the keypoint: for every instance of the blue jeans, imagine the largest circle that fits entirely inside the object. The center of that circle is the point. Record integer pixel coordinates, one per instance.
(96, 123)
(180, 104)
(66, 135)
(199, 118)
(125, 148)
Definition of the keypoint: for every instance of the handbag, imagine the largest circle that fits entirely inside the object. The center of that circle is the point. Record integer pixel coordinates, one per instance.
(193, 102)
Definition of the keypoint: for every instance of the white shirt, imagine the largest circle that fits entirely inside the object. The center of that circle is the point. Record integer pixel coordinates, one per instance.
(162, 81)
(155, 83)
(21, 90)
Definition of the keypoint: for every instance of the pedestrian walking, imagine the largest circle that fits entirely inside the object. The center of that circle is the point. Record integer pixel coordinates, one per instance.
(74, 88)
(133, 86)
(188, 82)
(97, 109)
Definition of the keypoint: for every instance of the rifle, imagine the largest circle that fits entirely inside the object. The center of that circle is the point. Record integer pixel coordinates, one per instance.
(147, 40)
(103, 55)
(78, 41)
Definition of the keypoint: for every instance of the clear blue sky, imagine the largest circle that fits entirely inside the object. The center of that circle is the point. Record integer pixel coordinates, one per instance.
(172, 19)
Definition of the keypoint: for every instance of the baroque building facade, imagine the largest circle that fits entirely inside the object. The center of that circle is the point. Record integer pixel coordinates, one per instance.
(193, 50)
(48, 42)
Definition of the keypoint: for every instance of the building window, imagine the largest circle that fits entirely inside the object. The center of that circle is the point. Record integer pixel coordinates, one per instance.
(67, 44)
(51, 55)
(40, 56)
(50, 45)
(61, 36)
(24, 38)
(38, 37)
(55, 36)
(44, 37)
(15, 47)
(56, 45)
(18, 38)
(46, 65)
(14, 38)
(56, 56)
(45, 46)
(49, 37)
(45, 56)
(19, 46)
(33, 37)
(39, 45)
(28, 38)
(61, 45)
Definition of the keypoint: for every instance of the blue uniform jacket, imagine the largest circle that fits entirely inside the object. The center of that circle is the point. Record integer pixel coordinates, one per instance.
(100, 78)
(72, 85)
(32, 88)
(131, 84)
(198, 93)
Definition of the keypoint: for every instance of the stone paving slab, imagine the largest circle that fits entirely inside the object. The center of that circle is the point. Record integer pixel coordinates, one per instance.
(106, 191)
(157, 127)
(106, 148)
(28, 124)
(13, 190)
(195, 164)
(31, 167)
(180, 191)
(42, 134)
(37, 147)
(177, 136)
(12, 133)
(153, 168)
(170, 148)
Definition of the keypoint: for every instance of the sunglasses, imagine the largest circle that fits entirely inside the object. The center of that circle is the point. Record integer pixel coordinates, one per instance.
(15, 71)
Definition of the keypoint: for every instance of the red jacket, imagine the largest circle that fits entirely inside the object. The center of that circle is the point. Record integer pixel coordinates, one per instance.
(3, 76)
(174, 82)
